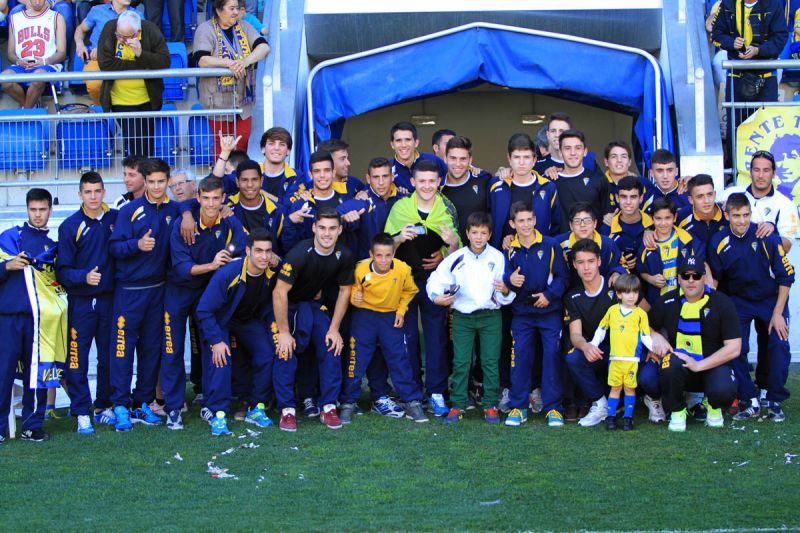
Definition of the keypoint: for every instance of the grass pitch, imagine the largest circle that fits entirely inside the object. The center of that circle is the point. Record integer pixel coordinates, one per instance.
(379, 474)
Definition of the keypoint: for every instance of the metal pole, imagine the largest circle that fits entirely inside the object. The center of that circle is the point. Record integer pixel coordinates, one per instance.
(699, 112)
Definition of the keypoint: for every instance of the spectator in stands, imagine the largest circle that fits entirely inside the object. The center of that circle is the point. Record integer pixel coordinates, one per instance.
(37, 43)
(94, 22)
(251, 19)
(749, 31)
(132, 44)
(133, 179)
(229, 43)
(154, 11)
(182, 184)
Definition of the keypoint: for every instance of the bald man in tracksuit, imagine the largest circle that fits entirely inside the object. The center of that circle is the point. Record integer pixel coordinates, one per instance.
(756, 274)
(140, 246)
(217, 240)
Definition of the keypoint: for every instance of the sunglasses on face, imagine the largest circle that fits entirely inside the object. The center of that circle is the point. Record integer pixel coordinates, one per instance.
(686, 276)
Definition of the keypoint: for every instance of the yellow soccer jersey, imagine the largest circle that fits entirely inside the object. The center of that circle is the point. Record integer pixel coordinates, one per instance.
(392, 291)
(627, 331)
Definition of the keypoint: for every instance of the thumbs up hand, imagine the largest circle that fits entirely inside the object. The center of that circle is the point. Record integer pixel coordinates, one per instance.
(516, 278)
(93, 277)
(147, 243)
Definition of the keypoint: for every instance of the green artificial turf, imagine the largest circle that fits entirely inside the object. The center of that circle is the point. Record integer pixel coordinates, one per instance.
(379, 474)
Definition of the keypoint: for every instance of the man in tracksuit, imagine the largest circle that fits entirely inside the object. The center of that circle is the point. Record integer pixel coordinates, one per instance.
(756, 274)
(628, 224)
(536, 272)
(22, 247)
(86, 270)
(218, 240)
(237, 302)
(140, 244)
(309, 267)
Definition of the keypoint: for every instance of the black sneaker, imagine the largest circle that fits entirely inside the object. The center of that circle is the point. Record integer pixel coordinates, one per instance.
(34, 435)
(571, 413)
(611, 423)
(698, 412)
(627, 423)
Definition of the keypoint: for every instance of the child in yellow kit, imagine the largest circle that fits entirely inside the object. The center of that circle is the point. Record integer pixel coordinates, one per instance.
(629, 330)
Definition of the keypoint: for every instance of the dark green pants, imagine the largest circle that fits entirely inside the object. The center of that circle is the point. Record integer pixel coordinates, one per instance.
(487, 324)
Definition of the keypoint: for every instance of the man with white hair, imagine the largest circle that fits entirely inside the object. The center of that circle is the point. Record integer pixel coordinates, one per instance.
(130, 43)
(182, 184)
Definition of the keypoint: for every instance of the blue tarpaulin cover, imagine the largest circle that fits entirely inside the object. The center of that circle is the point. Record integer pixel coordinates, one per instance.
(614, 79)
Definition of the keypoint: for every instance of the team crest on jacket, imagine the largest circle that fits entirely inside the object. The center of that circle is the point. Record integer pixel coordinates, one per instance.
(540, 253)
(338, 254)
(585, 181)
(475, 189)
(541, 194)
(111, 227)
(217, 234)
(705, 312)
(753, 245)
(169, 219)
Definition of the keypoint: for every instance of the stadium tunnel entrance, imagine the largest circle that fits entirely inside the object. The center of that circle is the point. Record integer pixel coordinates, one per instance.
(494, 59)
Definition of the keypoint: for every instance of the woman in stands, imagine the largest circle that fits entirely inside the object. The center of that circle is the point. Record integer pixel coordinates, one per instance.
(224, 41)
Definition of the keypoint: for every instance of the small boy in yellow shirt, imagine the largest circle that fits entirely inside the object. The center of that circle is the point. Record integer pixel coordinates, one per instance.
(629, 330)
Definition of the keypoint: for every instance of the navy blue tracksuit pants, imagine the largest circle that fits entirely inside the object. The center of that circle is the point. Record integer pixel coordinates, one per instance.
(179, 304)
(139, 325)
(89, 319)
(17, 333)
(434, 328)
(310, 324)
(252, 343)
(779, 352)
(536, 336)
(368, 329)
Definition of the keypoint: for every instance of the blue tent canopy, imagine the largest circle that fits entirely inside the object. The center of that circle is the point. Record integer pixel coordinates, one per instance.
(619, 78)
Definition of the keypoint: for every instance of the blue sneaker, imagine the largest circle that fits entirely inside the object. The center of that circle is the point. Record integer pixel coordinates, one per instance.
(145, 415)
(85, 425)
(516, 417)
(257, 416)
(123, 422)
(453, 416)
(310, 408)
(437, 406)
(746, 412)
(554, 419)
(106, 416)
(386, 407)
(219, 425)
(775, 413)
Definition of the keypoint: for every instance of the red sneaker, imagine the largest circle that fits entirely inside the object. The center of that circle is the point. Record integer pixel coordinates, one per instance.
(288, 422)
(331, 419)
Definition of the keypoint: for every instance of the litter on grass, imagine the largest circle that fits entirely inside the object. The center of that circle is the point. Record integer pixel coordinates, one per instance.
(250, 445)
(788, 457)
(301, 477)
(295, 449)
(178, 457)
(253, 433)
(744, 463)
(219, 473)
(493, 502)
(228, 451)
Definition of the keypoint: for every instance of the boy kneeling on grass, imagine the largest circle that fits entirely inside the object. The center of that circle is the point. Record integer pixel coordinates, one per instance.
(629, 330)
(471, 280)
(380, 296)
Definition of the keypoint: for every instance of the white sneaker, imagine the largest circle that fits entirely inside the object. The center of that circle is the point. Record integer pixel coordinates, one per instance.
(85, 425)
(597, 413)
(762, 398)
(503, 404)
(657, 413)
(535, 401)
(714, 418)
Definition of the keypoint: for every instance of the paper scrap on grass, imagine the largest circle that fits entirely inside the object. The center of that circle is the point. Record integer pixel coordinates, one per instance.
(228, 451)
(250, 445)
(219, 473)
(178, 457)
(253, 433)
(744, 463)
(493, 502)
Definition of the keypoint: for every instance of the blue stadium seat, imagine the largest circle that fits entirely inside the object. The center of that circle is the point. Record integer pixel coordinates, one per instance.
(165, 139)
(189, 21)
(201, 143)
(24, 145)
(77, 86)
(85, 143)
(175, 88)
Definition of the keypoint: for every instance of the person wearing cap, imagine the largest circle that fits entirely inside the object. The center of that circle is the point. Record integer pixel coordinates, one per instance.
(700, 324)
(757, 275)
